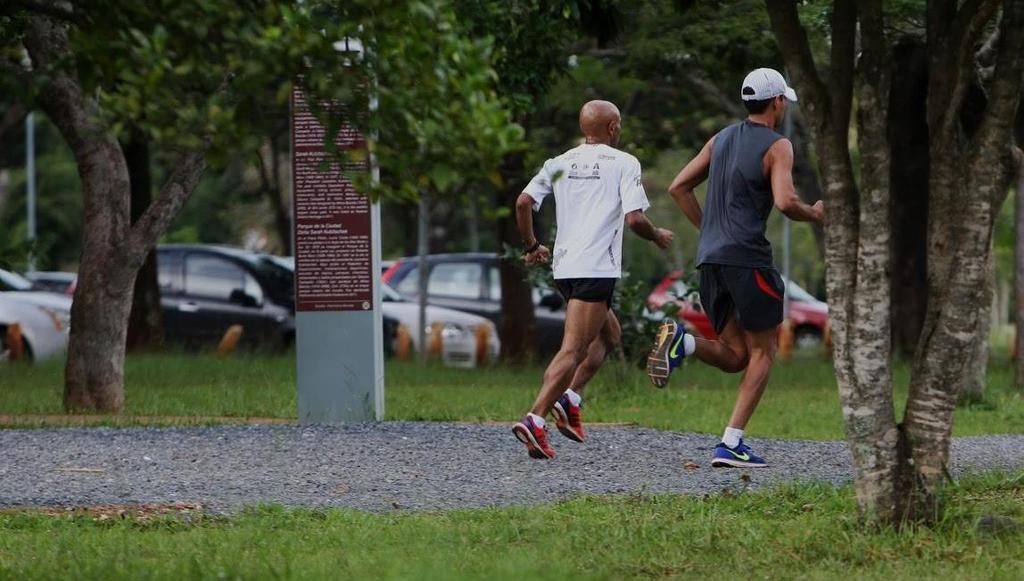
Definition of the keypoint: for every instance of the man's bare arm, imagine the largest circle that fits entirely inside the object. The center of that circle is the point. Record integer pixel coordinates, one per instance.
(780, 164)
(639, 222)
(691, 176)
(524, 220)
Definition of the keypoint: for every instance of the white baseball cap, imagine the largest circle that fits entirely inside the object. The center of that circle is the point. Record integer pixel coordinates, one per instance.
(763, 84)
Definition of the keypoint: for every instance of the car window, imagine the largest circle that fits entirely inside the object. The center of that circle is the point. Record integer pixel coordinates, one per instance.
(679, 289)
(456, 279)
(797, 293)
(215, 278)
(462, 280)
(278, 274)
(389, 295)
(410, 285)
(253, 288)
(10, 281)
(495, 287)
(495, 283)
(168, 273)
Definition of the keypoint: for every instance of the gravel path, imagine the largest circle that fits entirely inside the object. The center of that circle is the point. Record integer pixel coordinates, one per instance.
(401, 465)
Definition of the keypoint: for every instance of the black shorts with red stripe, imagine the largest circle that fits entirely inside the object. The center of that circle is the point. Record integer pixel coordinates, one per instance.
(752, 295)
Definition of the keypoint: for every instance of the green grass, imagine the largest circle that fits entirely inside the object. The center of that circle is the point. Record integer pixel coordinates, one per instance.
(807, 531)
(801, 400)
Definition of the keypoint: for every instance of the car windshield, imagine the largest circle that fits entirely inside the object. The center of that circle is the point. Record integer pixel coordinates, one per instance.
(279, 279)
(797, 293)
(11, 281)
(390, 295)
(679, 289)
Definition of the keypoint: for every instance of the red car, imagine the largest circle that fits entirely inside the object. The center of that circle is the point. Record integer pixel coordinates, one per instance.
(807, 315)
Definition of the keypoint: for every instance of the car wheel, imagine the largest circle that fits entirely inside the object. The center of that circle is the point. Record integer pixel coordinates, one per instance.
(807, 338)
(5, 352)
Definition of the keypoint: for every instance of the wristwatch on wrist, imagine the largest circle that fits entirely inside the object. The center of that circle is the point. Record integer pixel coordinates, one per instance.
(535, 246)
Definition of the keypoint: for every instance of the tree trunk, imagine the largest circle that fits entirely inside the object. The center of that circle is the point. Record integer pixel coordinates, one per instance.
(960, 232)
(867, 399)
(113, 249)
(975, 374)
(145, 323)
(968, 177)
(908, 138)
(402, 217)
(518, 328)
(856, 238)
(1018, 267)
(5, 182)
(95, 360)
(94, 372)
(12, 117)
(273, 189)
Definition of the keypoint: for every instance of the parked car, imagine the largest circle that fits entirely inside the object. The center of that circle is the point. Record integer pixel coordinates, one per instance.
(12, 281)
(471, 282)
(44, 319)
(205, 289)
(458, 329)
(808, 316)
(55, 282)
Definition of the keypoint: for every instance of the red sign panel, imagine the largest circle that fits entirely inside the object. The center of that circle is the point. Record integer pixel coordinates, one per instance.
(333, 241)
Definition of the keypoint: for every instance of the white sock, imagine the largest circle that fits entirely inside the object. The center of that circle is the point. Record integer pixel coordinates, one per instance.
(689, 344)
(732, 437)
(539, 421)
(574, 397)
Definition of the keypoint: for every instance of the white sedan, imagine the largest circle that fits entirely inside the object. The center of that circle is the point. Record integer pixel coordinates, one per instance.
(458, 329)
(44, 319)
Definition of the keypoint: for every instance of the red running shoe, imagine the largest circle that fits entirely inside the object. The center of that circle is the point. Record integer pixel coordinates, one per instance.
(535, 438)
(568, 418)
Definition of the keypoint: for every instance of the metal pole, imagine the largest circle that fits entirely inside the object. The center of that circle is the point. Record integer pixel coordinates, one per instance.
(30, 186)
(378, 295)
(787, 224)
(423, 249)
(474, 227)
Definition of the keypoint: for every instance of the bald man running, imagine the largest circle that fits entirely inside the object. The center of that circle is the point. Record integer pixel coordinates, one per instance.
(596, 188)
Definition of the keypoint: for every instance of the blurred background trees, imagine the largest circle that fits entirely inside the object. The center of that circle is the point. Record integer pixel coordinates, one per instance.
(471, 105)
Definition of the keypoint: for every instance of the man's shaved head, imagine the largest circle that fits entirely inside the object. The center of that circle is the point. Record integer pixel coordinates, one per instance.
(600, 122)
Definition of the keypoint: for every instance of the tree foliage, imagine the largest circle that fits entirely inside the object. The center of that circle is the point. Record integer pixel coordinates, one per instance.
(192, 78)
(208, 74)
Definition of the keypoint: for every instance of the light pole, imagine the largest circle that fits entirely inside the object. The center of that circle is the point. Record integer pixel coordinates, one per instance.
(787, 224)
(30, 186)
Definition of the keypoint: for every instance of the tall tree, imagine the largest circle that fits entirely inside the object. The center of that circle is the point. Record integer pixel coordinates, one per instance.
(145, 321)
(530, 38)
(186, 73)
(898, 468)
(970, 168)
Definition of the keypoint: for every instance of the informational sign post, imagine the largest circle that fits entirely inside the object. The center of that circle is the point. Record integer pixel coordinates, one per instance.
(339, 331)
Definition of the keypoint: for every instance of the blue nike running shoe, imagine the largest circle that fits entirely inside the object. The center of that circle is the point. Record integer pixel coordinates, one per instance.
(739, 457)
(668, 353)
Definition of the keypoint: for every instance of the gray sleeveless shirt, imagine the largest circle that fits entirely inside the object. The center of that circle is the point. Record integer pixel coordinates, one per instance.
(739, 199)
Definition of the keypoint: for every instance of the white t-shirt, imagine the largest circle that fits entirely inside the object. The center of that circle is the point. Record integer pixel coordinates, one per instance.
(595, 186)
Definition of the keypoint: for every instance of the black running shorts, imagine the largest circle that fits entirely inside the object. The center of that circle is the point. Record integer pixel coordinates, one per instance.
(753, 294)
(590, 290)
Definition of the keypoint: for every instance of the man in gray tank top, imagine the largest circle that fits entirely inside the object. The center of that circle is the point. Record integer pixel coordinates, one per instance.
(749, 169)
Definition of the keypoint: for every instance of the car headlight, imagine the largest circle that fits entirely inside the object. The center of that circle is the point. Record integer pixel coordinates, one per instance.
(60, 319)
(453, 331)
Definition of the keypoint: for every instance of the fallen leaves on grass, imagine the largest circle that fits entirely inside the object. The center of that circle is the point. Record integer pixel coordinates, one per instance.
(138, 512)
